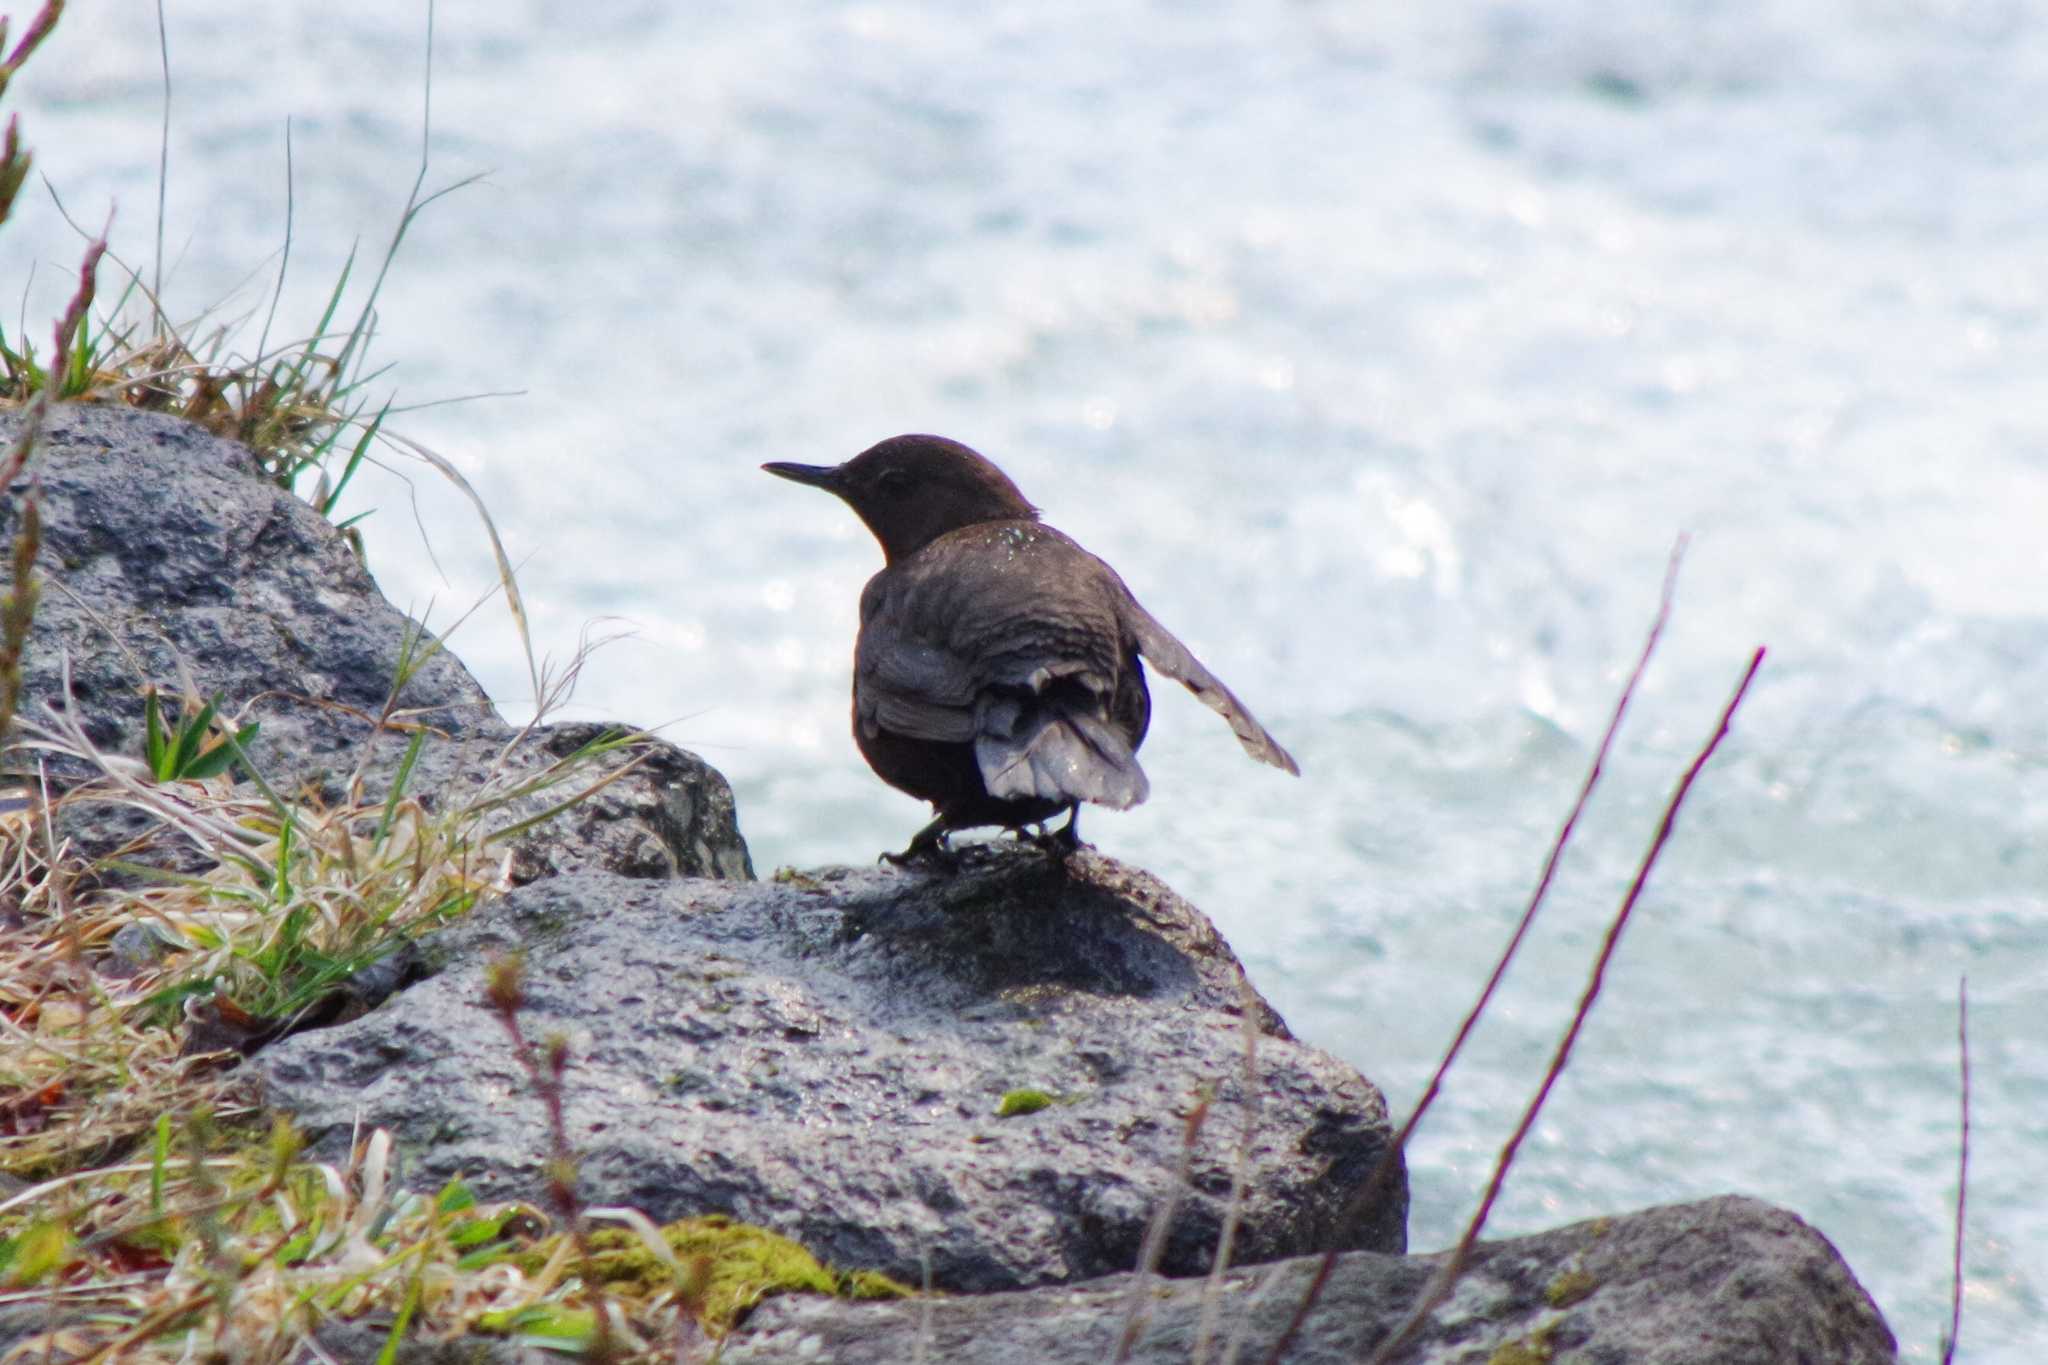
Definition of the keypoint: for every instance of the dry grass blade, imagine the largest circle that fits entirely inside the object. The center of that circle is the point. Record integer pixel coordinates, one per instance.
(1439, 1287)
(1269, 1277)
(297, 898)
(163, 158)
(514, 603)
(18, 607)
(1384, 1169)
(244, 1254)
(301, 407)
(921, 1351)
(253, 1252)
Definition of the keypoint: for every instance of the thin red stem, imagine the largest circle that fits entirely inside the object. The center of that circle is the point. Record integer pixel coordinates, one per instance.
(1384, 1170)
(1440, 1284)
(1955, 1289)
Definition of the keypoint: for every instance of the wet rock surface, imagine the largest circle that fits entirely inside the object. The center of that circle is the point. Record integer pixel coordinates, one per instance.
(1727, 1281)
(827, 1056)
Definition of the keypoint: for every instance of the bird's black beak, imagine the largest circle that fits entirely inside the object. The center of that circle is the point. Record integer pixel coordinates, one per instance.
(816, 475)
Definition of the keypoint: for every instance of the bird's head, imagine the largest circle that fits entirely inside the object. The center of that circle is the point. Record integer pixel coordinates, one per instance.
(910, 490)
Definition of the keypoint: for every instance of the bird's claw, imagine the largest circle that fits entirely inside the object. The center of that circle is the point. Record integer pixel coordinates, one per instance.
(1058, 843)
(929, 848)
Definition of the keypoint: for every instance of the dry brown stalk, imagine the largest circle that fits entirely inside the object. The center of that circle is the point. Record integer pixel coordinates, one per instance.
(1440, 1284)
(1955, 1284)
(1383, 1171)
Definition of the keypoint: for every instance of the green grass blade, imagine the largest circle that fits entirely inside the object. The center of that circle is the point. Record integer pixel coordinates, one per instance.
(191, 734)
(221, 757)
(78, 366)
(296, 377)
(355, 459)
(313, 458)
(154, 747)
(405, 1312)
(159, 1158)
(391, 798)
(281, 886)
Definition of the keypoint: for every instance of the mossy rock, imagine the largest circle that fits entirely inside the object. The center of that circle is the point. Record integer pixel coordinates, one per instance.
(728, 1267)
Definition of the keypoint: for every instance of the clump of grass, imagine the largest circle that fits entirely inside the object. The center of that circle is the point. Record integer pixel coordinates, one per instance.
(303, 405)
(247, 1247)
(126, 990)
(299, 404)
(221, 1242)
(105, 992)
(239, 1246)
(299, 896)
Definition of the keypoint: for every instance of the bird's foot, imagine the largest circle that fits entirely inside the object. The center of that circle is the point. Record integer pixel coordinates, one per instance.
(928, 848)
(935, 855)
(1058, 843)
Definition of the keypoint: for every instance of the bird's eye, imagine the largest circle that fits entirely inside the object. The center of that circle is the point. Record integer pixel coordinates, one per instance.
(893, 482)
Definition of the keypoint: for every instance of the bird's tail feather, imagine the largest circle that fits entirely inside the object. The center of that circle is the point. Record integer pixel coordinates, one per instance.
(1062, 753)
(1167, 654)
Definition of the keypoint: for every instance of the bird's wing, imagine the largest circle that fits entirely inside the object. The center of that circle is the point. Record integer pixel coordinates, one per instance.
(1167, 654)
(974, 645)
(913, 687)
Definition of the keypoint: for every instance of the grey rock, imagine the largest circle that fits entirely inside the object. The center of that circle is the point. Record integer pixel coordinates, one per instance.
(825, 1056)
(364, 1339)
(166, 556)
(1727, 1281)
(137, 946)
(20, 1321)
(672, 817)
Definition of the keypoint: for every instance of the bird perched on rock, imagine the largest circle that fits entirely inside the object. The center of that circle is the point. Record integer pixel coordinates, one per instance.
(996, 674)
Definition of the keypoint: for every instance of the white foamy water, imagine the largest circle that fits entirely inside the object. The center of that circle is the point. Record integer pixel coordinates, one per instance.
(1385, 355)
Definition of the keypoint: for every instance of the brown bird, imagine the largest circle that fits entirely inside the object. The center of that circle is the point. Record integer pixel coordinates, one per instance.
(996, 674)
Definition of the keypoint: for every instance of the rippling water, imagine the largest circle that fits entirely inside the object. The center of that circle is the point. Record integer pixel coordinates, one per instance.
(1385, 351)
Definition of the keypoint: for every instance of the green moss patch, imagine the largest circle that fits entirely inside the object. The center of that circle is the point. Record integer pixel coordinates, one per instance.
(728, 1267)
(1569, 1288)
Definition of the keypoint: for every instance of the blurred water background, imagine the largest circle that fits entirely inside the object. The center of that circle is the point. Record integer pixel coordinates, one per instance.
(1385, 350)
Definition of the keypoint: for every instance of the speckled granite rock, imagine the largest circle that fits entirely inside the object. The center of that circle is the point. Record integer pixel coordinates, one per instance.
(826, 1057)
